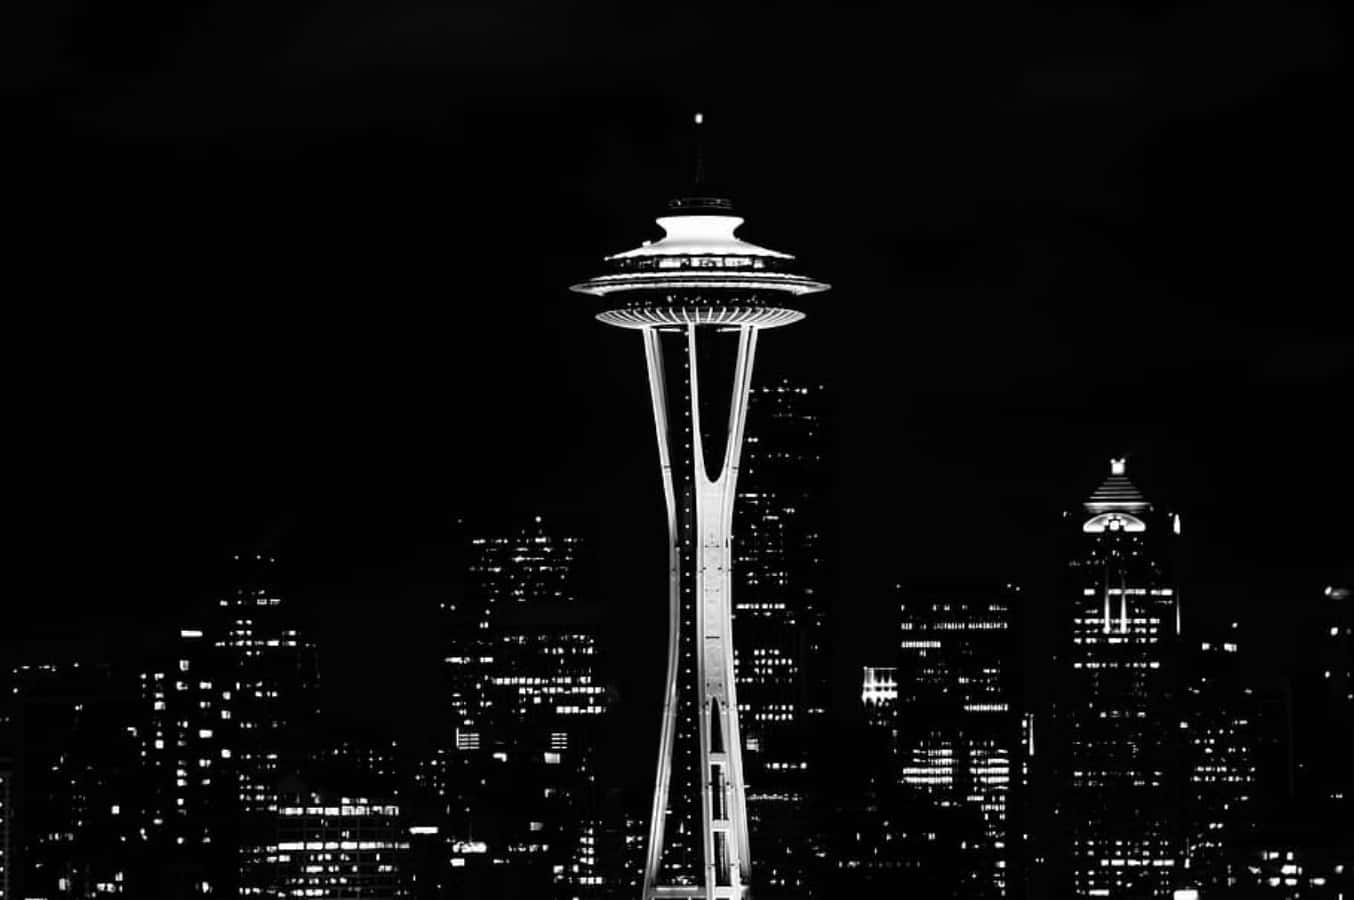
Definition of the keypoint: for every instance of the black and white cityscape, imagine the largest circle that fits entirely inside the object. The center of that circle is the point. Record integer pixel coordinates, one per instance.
(717, 453)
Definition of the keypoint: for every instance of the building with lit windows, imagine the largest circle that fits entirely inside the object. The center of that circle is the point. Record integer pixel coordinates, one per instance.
(272, 670)
(1296, 861)
(1324, 707)
(531, 568)
(1305, 848)
(275, 674)
(1220, 728)
(187, 753)
(335, 846)
(226, 704)
(956, 733)
(779, 601)
(879, 697)
(75, 789)
(522, 655)
(700, 298)
(878, 837)
(1117, 814)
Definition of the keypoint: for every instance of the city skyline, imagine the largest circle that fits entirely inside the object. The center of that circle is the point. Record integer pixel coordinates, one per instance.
(342, 555)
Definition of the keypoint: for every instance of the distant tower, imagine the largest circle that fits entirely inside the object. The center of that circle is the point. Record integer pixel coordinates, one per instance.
(699, 297)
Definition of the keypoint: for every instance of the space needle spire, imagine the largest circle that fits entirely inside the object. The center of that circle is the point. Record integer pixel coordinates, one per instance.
(699, 297)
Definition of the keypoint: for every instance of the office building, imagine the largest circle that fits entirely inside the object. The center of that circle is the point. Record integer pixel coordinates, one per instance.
(526, 697)
(1117, 816)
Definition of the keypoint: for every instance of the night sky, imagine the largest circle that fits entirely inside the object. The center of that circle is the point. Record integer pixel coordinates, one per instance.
(294, 277)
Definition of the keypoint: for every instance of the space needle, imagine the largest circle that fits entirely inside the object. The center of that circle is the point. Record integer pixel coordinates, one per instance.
(699, 296)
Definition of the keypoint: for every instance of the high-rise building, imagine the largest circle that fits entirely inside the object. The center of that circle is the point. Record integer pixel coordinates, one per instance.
(227, 703)
(957, 732)
(700, 297)
(1117, 816)
(532, 568)
(275, 675)
(1221, 731)
(187, 746)
(779, 606)
(526, 699)
(75, 787)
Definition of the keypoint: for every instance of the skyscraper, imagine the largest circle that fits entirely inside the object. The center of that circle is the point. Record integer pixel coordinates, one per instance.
(526, 697)
(956, 735)
(1117, 816)
(699, 297)
(275, 669)
(779, 607)
(1220, 727)
(188, 746)
(227, 702)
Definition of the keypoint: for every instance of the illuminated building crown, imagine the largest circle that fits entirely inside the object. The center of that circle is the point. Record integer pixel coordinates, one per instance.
(1115, 504)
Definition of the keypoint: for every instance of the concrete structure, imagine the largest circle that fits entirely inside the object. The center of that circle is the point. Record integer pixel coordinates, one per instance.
(699, 297)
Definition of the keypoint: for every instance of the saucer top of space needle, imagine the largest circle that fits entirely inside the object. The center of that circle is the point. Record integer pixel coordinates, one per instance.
(700, 272)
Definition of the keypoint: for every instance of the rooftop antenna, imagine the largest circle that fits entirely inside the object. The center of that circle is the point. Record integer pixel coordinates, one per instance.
(703, 199)
(700, 154)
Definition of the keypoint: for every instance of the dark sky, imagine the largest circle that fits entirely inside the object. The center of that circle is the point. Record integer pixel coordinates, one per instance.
(294, 274)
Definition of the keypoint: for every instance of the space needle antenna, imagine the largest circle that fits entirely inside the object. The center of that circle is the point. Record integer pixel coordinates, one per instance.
(700, 152)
